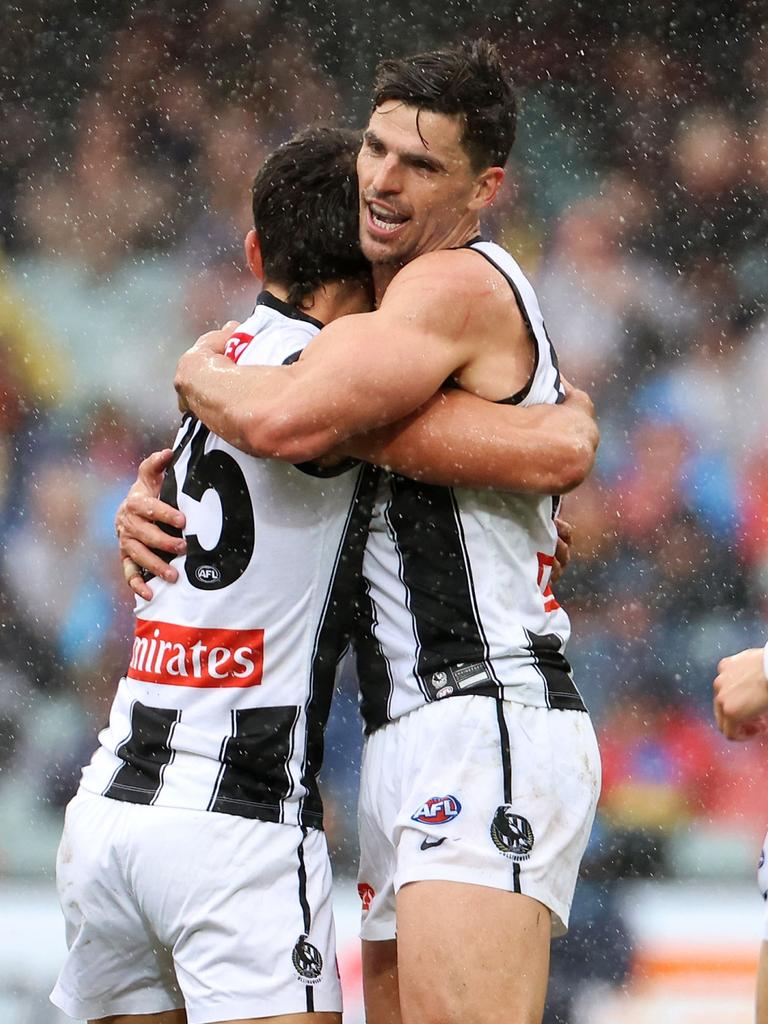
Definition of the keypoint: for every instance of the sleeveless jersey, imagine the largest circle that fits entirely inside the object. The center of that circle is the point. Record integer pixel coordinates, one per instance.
(227, 692)
(457, 581)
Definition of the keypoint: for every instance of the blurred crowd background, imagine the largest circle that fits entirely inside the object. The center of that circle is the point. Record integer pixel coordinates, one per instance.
(638, 203)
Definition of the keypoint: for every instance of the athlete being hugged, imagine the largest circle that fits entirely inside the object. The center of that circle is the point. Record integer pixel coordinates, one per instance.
(193, 870)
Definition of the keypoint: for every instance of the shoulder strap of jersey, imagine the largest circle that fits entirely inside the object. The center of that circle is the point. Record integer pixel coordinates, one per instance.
(528, 305)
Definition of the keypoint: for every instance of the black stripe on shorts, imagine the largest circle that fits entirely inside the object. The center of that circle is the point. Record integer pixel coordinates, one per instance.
(506, 767)
(506, 753)
(305, 911)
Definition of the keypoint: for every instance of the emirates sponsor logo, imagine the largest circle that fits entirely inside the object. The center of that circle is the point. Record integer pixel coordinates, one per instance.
(191, 656)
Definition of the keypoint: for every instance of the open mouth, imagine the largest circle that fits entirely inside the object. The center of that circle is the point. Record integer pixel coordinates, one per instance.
(383, 220)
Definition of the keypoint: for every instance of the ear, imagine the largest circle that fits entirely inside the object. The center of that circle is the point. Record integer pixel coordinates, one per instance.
(487, 186)
(253, 254)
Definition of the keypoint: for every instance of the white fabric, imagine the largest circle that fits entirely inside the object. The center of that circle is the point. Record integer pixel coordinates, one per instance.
(762, 883)
(167, 908)
(503, 553)
(208, 655)
(450, 755)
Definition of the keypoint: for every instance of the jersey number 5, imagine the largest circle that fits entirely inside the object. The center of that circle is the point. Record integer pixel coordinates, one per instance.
(220, 566)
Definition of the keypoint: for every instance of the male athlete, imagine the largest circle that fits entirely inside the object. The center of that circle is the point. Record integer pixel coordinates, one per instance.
(481, 771)
(192, 872)
(741, 705)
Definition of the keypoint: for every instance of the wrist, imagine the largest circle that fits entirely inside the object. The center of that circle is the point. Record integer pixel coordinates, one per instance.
(184, 368)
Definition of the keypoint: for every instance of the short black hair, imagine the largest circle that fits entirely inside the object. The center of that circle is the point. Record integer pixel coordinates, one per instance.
(305, 211)
(470, 80)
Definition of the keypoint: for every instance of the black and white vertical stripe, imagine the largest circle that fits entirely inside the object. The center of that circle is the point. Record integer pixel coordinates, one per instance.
(506, 772)
(145, 754)
(457, 579)
(343, 598)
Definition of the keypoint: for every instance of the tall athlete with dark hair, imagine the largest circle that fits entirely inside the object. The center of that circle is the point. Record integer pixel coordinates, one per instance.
(481, 771)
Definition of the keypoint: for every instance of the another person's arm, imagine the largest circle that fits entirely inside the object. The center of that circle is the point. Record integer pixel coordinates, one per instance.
(458, 440)
(136, 525)
(741, 693)
(360, 372)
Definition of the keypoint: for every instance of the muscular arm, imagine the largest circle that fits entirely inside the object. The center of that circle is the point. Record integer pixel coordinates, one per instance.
(457, 439)
(141, 511)
(358, 374)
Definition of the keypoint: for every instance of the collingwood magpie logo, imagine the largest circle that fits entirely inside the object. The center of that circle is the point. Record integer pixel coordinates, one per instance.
(307, 960)
(511, 833)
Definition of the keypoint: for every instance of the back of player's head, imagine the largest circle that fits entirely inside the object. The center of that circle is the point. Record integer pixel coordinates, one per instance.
(305, 211)
(469, 80)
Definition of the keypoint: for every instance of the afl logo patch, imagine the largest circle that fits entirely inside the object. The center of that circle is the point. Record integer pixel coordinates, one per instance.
(307, 961)
(207, 574)
(437, 810)
(511, 833)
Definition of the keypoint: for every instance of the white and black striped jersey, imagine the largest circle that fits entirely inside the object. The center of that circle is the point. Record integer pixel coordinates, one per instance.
(228, 689)
(457, 581)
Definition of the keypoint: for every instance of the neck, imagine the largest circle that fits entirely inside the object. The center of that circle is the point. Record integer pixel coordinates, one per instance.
(329, 301)
(459, 235)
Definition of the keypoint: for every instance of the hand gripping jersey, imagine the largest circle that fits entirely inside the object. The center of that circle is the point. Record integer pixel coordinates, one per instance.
(457, 581)
(232, 668)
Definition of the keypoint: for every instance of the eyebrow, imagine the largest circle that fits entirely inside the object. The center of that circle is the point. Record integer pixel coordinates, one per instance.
(412, 158)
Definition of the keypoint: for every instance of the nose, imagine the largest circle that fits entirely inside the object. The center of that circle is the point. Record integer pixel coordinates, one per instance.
(388, 177)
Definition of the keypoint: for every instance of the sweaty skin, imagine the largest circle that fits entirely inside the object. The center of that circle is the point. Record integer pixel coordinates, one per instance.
(448, 438)
(444, 313)
(445, 316)
(741, 695)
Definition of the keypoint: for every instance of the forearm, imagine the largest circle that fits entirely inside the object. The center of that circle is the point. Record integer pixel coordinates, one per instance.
(457, 439)
(254, 408)
(302, 411)
(358, 374)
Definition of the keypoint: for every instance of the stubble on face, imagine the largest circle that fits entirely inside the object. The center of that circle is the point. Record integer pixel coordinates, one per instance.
(415, 181)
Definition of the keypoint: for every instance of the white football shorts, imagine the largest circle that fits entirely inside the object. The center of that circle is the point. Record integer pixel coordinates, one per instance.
(474, 789)
(168, 908)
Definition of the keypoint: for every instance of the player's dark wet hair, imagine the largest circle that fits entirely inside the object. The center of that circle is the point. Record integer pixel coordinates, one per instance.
(470, 80)
(305, 211)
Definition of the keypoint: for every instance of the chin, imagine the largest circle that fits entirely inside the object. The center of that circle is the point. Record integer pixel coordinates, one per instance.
(381, 254)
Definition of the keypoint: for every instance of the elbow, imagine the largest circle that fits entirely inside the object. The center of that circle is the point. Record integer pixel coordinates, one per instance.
(576, 464)
(277, 434)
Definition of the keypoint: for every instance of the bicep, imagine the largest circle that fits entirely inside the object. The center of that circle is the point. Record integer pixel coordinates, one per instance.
(374, 368)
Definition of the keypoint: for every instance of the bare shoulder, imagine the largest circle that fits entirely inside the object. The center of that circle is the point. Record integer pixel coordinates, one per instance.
(457, 272)
(458, 294)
